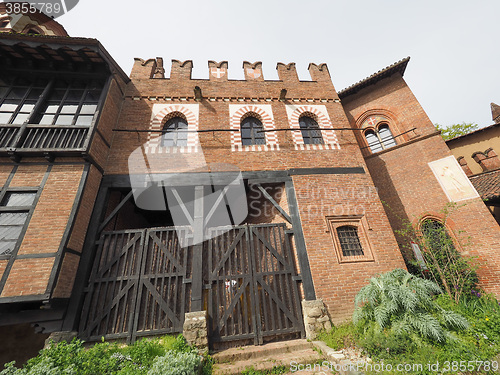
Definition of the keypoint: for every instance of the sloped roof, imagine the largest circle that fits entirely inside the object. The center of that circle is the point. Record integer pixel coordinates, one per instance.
(487, 184)
(397, 67)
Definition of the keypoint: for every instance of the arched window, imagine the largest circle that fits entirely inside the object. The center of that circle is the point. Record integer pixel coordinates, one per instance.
(436, 236)
(386, 136)
(310, 131)
(373, 141)
(175, 133)
(251, 132)
(380, 139)
(349, 240)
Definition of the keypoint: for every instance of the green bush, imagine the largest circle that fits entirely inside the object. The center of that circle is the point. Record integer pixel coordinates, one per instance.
(342, 336)
(403, 303)
(175, 363)
(108, 359)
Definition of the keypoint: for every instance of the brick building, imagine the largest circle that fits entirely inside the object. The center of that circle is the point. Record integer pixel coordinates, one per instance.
(130, 203)
(476, 153)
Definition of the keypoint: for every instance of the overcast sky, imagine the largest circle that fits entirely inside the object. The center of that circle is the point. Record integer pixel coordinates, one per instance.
(454, 69)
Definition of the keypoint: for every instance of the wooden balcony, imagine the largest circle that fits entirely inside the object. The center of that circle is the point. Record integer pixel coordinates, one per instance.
(35, 139)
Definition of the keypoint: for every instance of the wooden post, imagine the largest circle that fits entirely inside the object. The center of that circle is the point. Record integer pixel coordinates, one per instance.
(198, 234)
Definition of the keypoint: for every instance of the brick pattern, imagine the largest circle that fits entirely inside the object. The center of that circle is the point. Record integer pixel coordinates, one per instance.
(51, 214)
(28, 277)
(320, 115)
(82, 220)
(265, 115)
(67, 276)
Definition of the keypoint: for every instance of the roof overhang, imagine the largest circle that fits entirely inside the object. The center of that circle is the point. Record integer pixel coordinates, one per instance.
(55, 50)
(398, 67)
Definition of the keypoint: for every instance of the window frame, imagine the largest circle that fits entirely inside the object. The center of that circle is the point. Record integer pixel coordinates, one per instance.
(14, 209)
(166, 129)
(255, 127)
(42, 102)
(382, 144)
(361, 224)
(312, 125)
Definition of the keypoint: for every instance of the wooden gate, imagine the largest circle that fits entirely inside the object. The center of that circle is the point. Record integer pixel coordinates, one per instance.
(252, 285)
(141, 283)
(137, 286)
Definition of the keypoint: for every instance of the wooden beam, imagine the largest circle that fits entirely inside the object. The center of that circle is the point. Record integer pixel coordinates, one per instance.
(275, 204)
(115, 211)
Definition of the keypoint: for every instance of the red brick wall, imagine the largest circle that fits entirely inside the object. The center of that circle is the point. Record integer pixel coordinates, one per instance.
(406, 183)
(99, 147)
(320, 196)
(46, 227)
(336, 283)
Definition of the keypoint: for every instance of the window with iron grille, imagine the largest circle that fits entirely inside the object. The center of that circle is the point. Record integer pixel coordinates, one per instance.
(48, 101)
(175, 133)
(311, 133)
(251, 132)
(349, 240)
(14, 212)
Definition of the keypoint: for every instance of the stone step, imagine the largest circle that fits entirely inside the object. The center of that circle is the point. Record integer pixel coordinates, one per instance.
(261, 351)
(266, 361)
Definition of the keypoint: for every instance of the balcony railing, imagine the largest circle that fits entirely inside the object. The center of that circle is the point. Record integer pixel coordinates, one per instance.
(43, 138)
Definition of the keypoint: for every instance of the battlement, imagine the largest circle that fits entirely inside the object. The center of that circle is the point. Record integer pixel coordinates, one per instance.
(218, 71)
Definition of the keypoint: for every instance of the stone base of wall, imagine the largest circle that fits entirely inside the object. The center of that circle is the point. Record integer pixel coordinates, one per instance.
(195, 329)
(316, 318)
(57, 337)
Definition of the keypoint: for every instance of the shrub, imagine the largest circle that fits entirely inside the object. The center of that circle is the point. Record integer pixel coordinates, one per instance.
(455, 273)
(403, 303)
(107, 359)
(176, 363)
(342, 336)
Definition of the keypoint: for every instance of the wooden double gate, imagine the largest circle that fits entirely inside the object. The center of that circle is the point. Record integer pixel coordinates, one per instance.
(141, 285)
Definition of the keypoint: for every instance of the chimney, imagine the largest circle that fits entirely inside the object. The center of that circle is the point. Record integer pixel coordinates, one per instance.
(463, 163)
(488, 160)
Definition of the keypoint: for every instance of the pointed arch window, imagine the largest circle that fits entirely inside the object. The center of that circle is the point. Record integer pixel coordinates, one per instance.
(252, 132)
(175, 133)
(311, 134)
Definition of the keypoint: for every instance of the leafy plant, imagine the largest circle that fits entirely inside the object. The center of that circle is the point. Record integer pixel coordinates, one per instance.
(175, 363)
(341, 336)
(456, 130)
(403, 303)
(110, 359)
(455, 273)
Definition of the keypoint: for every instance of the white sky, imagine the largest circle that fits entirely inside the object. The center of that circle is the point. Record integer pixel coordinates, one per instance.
(454, 69)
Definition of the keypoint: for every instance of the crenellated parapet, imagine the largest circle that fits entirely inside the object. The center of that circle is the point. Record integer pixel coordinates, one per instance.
(218, 71)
